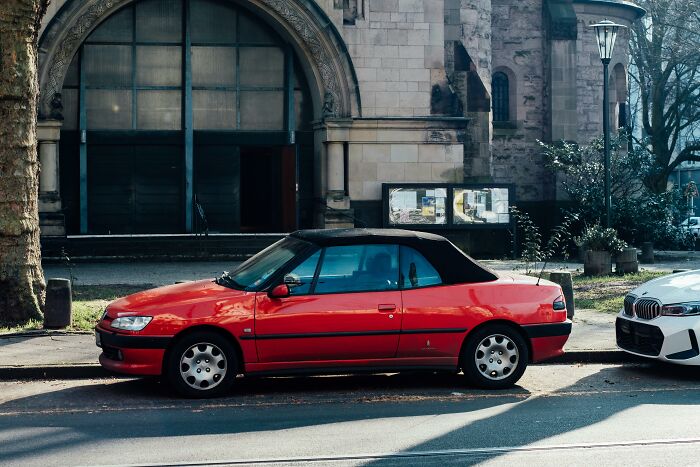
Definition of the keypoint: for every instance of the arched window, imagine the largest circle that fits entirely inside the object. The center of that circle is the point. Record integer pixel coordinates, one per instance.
(501, 97)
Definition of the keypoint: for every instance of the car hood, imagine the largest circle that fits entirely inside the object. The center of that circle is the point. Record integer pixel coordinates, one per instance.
(161, 298)
(674, 288)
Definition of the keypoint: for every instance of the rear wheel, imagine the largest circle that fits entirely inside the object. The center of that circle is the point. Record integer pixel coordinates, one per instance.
(202, 364)
(494, 357)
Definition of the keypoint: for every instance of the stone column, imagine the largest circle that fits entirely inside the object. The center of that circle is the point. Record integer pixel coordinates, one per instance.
(51, 217)
(338, 213)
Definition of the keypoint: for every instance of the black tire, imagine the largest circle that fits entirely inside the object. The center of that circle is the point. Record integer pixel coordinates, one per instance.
(210, 355)
(494, 375)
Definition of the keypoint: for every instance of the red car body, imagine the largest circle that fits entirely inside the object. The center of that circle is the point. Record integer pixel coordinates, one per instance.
(379, 330)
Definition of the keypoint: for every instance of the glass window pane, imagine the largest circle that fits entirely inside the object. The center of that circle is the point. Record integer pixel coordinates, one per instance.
(72, 78)
(117, 28)
(158, 110)
(212, 22)
(159, 21)
(214, 66)
(359, 268)
(214, 110)
(252, 30)
(107, 65)
(416, 271)
(262, 110)
(262, 66)
(108, 109)
(303, 112)
(485, 206)
(158, 65)
(70, 109)
(417, 205)
(305, 273)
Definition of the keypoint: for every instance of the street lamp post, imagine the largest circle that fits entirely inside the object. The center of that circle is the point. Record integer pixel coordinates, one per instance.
(606, 32)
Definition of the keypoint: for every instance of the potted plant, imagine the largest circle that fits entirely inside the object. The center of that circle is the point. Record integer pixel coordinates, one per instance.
(599, 244)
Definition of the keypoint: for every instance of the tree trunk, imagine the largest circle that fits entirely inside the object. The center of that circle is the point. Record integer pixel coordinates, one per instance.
(21, 276)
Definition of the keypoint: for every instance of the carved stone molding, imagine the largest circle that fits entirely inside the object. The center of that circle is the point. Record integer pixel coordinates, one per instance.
(324, 54)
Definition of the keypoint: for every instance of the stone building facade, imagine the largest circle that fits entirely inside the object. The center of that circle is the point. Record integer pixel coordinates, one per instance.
(366, 91)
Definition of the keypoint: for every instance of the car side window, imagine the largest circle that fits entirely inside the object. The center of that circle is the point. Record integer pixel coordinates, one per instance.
(416, 271)
(357, 268)
(304, 275)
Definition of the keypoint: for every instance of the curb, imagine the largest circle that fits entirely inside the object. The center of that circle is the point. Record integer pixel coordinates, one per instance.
(89, 370)
(596, 356)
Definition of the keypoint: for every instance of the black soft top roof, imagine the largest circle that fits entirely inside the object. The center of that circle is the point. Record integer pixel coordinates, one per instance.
(453, 265)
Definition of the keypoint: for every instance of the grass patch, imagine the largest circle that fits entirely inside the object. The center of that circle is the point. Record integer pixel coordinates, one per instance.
(606, 293)
(89, 302)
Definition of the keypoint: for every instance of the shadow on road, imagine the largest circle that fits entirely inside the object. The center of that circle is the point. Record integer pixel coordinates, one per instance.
(131, 409)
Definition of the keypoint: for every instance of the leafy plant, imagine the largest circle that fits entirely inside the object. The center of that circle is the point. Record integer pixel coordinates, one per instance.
(597, 238)
(533, 250)
(638, 214)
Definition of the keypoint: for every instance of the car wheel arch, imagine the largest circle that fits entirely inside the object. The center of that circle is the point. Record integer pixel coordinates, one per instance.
(494, 322)
(206, 328)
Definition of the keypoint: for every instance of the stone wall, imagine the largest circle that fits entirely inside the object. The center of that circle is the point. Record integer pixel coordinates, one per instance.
(397, 48)
(518, 48)
(590, 69)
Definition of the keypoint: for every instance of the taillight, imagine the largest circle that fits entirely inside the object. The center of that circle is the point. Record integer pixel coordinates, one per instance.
(559, 303)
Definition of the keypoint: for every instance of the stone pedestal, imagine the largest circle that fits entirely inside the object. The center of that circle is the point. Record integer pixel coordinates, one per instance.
(51, 217)
(338, 212)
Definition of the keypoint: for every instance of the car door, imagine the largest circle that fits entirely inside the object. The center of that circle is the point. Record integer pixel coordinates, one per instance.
(435, 316)
(351, 310)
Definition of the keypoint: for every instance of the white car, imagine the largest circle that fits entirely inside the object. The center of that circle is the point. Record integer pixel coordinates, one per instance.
(692, 225)
(661, 319)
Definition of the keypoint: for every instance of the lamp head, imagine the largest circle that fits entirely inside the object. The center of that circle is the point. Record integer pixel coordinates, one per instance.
(606, 32)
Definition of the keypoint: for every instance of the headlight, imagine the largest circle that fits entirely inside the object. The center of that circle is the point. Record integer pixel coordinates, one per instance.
(131, 323)
(681, 309)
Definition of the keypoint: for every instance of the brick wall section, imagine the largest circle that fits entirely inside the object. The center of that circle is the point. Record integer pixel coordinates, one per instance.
(394, 49)
(590, 76)
(518, 45)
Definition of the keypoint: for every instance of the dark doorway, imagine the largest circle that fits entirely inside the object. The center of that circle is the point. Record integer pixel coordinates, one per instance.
(268, 189)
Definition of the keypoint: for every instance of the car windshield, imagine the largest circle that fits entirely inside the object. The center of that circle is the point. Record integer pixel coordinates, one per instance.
(253, 272)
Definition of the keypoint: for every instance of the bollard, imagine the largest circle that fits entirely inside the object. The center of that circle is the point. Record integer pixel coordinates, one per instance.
(626, 261)
(57, 313)
(564, 280)
(647, 256)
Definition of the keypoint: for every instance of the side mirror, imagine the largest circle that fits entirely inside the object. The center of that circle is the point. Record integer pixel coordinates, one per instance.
(279, 291)
(292, 280)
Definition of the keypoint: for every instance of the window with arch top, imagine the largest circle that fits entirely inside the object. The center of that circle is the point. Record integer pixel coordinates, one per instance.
(501, 97)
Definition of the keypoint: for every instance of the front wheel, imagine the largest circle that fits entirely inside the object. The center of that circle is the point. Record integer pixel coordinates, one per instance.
(494, 357)
(202, 364)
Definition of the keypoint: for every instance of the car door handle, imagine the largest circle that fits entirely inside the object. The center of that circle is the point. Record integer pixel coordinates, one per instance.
(386, 307)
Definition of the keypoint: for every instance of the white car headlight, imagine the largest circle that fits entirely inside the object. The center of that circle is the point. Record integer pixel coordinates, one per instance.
(131, 323)
(681, 309)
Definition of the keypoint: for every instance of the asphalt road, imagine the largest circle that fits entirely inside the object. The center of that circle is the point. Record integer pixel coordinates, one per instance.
(559, 415)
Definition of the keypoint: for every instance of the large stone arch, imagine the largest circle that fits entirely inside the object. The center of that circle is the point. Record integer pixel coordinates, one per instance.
(323, 53)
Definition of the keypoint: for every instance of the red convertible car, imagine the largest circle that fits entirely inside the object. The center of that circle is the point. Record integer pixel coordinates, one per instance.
(330, 301)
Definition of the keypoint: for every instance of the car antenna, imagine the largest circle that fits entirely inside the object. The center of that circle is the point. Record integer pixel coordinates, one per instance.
(539, 276)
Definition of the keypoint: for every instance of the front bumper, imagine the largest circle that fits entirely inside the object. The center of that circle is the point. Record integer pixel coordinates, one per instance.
(668, 338)
(132, 354)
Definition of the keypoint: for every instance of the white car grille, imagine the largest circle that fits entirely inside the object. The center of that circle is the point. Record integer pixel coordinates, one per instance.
(647, 308)
(629, 304)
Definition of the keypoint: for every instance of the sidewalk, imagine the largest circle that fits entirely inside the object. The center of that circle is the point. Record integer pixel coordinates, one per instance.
(163, 273)
(73, 355)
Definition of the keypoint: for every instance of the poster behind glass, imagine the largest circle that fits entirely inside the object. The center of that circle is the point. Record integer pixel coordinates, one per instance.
(480, 206)
(416, 205)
